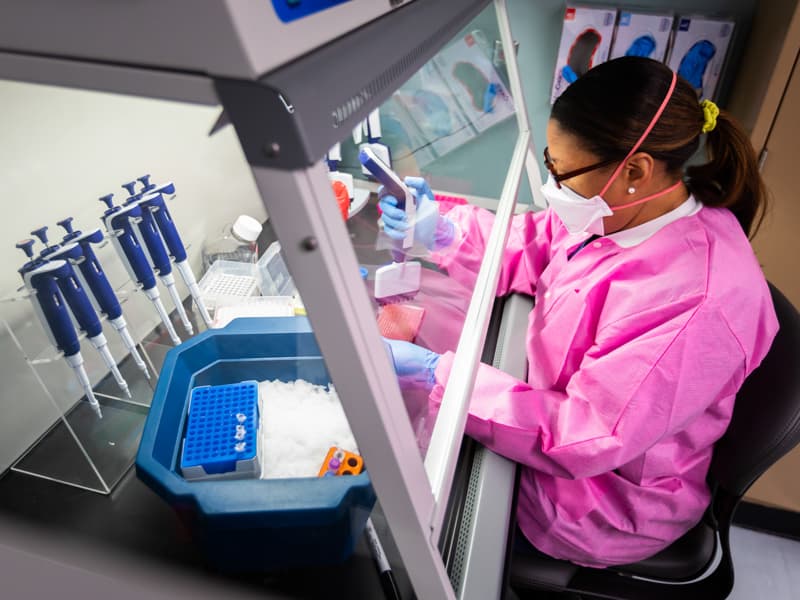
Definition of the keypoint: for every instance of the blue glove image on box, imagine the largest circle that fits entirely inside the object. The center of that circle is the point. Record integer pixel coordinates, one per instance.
(570, 76)
(642, 46)
(437, 116)
(488, 97)
(693, 64)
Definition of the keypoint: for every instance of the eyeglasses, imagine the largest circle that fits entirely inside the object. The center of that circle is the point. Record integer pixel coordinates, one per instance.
(548, 162)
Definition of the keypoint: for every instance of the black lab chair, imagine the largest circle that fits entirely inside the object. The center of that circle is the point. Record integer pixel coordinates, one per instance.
(765, 426)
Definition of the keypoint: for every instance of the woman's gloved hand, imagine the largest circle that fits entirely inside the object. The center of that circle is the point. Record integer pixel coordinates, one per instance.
(430, 228)
(413, 364)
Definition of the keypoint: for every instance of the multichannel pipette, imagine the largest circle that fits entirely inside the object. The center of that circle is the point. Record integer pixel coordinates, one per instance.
(78, 301)
(40, 278)
(153, 200)
(401, 279)
(102, 291)
(154, 247)
(117, 220)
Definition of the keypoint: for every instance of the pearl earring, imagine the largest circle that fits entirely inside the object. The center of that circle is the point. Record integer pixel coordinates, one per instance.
(631, 190)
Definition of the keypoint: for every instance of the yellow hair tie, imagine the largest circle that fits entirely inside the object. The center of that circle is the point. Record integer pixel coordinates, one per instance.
(710, 114)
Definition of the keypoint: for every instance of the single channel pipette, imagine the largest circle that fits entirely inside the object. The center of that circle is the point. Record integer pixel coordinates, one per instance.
(102, 291)
(117, 220)
(40, 279)
(78, 301)
(154, 201)
(154, 247)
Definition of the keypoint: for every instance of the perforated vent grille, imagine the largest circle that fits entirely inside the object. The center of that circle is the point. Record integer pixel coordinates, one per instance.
(389, 79)
(459, 565)
(500, 347)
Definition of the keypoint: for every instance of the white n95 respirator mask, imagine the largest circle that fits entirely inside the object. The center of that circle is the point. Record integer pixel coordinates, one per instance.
(579, 214)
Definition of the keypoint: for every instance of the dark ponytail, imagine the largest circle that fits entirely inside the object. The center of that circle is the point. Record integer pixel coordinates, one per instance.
(730, 178)
(610, 106)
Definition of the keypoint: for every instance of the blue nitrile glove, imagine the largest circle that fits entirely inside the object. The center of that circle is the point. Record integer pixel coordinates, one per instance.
(430, 229)
(413, 364)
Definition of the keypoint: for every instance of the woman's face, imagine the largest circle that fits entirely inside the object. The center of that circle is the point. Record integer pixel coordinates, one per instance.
(641, 190)
(567, 154)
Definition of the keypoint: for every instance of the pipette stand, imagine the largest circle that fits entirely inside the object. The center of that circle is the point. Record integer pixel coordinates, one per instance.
(75, 447)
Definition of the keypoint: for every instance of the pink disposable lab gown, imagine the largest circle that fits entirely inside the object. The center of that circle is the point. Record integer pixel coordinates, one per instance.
(635, 355)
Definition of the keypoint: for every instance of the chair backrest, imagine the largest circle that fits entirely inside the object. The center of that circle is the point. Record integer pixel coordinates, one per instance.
(766, 416)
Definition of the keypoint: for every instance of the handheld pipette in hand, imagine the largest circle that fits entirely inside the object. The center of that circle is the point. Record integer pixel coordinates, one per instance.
(103, 293)
(78, 301)
(154, 248)
(153, 199)
(117, 220)
(401, 279)
(39, 277)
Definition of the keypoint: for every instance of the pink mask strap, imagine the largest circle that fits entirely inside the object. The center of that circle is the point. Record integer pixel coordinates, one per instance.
(646, 198)
(653, 122)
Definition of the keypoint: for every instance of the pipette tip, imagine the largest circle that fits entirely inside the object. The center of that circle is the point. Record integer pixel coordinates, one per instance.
(201, 308)
(138, 360)
(169, 282)
(97, 410)
(173, 335)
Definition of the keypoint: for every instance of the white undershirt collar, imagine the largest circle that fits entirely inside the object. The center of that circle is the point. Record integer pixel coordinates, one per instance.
(627, 238)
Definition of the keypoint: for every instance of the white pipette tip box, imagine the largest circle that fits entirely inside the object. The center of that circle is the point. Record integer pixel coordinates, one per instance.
(221, 440)
(227, 280)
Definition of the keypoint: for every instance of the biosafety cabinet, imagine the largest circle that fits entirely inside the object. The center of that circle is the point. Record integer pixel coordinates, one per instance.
(240, 103)
(280, 84)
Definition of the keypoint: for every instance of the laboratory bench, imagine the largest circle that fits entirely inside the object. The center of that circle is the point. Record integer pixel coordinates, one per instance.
(134, 543)
(141, 544)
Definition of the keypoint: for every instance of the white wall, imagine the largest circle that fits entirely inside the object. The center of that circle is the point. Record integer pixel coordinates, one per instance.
(60, 150)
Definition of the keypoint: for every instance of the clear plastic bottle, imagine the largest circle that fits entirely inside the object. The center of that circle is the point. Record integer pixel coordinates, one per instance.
(238, 243)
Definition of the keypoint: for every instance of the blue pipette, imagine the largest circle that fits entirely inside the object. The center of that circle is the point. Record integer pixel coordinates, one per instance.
(40, 279)
(102, 291)
(117, 220)
(79, 303)
(154, 246)
(155, 203)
